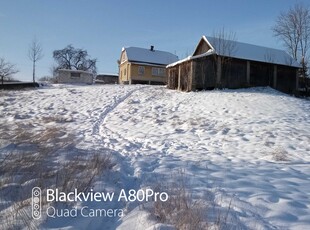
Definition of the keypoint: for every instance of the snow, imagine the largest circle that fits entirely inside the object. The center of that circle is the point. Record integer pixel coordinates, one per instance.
(224, 141)
(254, 53)
(243, 51)
(208, 53)
(137, 54)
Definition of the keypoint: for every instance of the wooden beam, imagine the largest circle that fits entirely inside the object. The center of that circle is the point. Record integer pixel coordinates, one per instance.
(179, 78)
(192, 81)
(297, 80)
(219, 71)
(275, 73)
(248, 72)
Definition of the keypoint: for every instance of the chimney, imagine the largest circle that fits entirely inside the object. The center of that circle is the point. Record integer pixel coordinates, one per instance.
(152, 48)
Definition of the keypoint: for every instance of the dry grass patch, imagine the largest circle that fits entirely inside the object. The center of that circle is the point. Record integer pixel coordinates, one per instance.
(280, 154)
(45, 159)
(180, 210)
(185, 212)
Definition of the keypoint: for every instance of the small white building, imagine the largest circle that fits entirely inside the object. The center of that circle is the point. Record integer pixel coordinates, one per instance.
(75, 76)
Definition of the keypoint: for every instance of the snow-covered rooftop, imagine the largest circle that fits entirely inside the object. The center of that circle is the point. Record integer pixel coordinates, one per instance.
(252, 52)
(244, 51)
(74, 71)
(208, 53)
(154, 56)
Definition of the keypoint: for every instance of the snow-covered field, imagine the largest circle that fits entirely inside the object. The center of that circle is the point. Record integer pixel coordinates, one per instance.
(247, 151)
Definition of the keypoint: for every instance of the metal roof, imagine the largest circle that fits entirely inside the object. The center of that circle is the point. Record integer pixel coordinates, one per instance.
(251, 52)
(142, 55)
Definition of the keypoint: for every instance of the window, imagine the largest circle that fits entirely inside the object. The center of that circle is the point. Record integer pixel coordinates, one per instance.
(158, 72)
(155, 71)
(141, 70)
(162, 72)
(125, 72)
(75, 75)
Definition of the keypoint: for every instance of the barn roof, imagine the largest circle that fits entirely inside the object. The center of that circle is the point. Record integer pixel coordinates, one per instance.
(243, 51)
(142, 55)
(251, 52)
(208, 53)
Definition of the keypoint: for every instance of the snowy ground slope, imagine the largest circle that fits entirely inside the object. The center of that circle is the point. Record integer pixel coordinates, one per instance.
(225, 142)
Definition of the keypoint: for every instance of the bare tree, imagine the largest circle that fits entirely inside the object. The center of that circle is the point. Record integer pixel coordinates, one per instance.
(269, 56)
(6, 69)
(293, 28)
(224, 43)
(50, 79)
(72, 58)
(35, 53)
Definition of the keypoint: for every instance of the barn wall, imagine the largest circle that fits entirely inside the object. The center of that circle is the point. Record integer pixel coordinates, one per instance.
(185, 76)
(201, 74)
(204, 73)
(202, 48)
(234, 74)
(173, 75)
(286, 79)
(261, 74)
(106, 79)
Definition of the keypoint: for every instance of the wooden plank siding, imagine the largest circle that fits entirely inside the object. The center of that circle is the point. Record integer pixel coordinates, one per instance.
(201, 48)
(173, 74)
(286, 78)
(245, 66)
(202, 73)
(205, 74)
(261, 74)
(234, 74)
(185, 76)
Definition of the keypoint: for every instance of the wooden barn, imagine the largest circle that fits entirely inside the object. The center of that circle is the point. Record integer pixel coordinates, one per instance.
(219, 63)
(106, 79)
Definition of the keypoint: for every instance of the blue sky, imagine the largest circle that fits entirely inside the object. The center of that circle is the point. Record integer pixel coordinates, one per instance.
(103, 27)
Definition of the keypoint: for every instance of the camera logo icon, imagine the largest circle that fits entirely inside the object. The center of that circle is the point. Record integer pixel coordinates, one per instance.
(36, 203)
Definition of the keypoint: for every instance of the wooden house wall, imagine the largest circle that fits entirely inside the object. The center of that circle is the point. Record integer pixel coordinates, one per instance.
(106, 79)
(261, 74)
(202, 48)
(185, 76)
(172, 82)
(204, 73)
(286, 79)
(234, 74)
(201, 74)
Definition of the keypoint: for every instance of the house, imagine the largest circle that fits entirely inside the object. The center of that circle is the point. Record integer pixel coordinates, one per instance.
(74, 76)
(144, 66)
(106, 79)
(220, 63)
